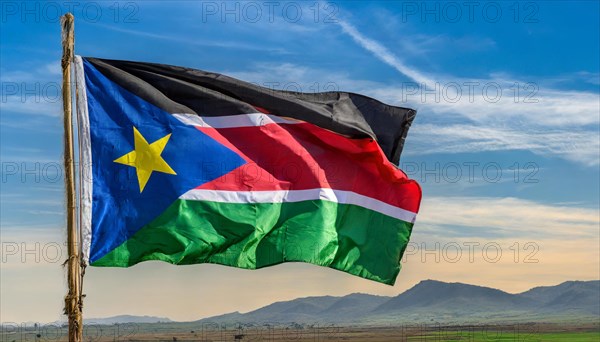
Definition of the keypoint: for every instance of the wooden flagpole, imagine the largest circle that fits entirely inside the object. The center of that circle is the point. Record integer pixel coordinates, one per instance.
(73, 304)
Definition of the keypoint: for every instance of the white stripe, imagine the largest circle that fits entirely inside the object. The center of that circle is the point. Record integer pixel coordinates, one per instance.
(281, 196)
(231, 121)
(86, 153)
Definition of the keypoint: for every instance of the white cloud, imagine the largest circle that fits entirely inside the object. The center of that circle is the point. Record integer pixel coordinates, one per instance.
(533, 106)
(580, 146)
(540, 119)
(506, 217)
(384, 54)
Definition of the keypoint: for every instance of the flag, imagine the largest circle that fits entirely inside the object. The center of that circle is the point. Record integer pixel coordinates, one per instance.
(188, 167)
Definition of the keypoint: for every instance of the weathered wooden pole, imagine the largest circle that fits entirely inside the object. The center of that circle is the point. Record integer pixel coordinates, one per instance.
(73, 305)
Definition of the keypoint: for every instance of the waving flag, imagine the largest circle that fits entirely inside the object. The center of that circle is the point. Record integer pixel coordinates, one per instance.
(187, 167)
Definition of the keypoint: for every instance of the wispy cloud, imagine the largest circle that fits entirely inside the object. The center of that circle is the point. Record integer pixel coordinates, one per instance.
(540, 119)
(195, 41)
(481, 217)
(580, 146)
(384, 54)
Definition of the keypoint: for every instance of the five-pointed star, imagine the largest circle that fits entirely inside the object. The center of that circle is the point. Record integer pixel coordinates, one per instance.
(146, 158)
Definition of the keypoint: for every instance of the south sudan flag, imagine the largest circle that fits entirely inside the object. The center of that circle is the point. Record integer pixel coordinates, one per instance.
(188, 167)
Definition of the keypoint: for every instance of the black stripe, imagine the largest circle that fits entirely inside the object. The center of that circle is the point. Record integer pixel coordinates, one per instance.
(184, 90)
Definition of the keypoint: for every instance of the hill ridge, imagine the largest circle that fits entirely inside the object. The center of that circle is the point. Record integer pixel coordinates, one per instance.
(434, 300)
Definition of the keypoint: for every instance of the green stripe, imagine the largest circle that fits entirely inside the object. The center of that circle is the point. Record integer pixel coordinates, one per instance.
(341, 236)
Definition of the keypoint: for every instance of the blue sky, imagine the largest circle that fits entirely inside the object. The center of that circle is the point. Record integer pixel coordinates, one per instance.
(516, 168)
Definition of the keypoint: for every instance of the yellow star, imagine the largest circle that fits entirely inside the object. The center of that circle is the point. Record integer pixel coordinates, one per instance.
(146, 158)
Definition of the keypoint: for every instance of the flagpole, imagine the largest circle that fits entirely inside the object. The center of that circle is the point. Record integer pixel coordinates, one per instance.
(73, 304)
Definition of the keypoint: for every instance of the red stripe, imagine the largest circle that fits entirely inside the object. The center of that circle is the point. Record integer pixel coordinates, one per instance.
(262, 110)
(305, 156)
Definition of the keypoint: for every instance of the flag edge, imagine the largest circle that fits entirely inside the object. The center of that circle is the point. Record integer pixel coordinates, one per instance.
(84, 144)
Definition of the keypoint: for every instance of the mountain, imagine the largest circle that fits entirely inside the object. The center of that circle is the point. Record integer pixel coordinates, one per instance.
(120, 319)
(434, 301)
(355, 305)
(431, 295)
(328, 308)
(568, 296)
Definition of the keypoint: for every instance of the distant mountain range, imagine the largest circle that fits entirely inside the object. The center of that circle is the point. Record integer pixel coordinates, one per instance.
(120, 319)
(433, 301)
(429, 301)
(127, 319)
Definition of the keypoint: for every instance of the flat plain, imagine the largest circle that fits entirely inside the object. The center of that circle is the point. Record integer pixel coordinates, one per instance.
(180, 332)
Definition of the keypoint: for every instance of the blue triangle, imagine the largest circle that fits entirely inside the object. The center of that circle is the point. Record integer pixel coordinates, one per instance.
(119, 210)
